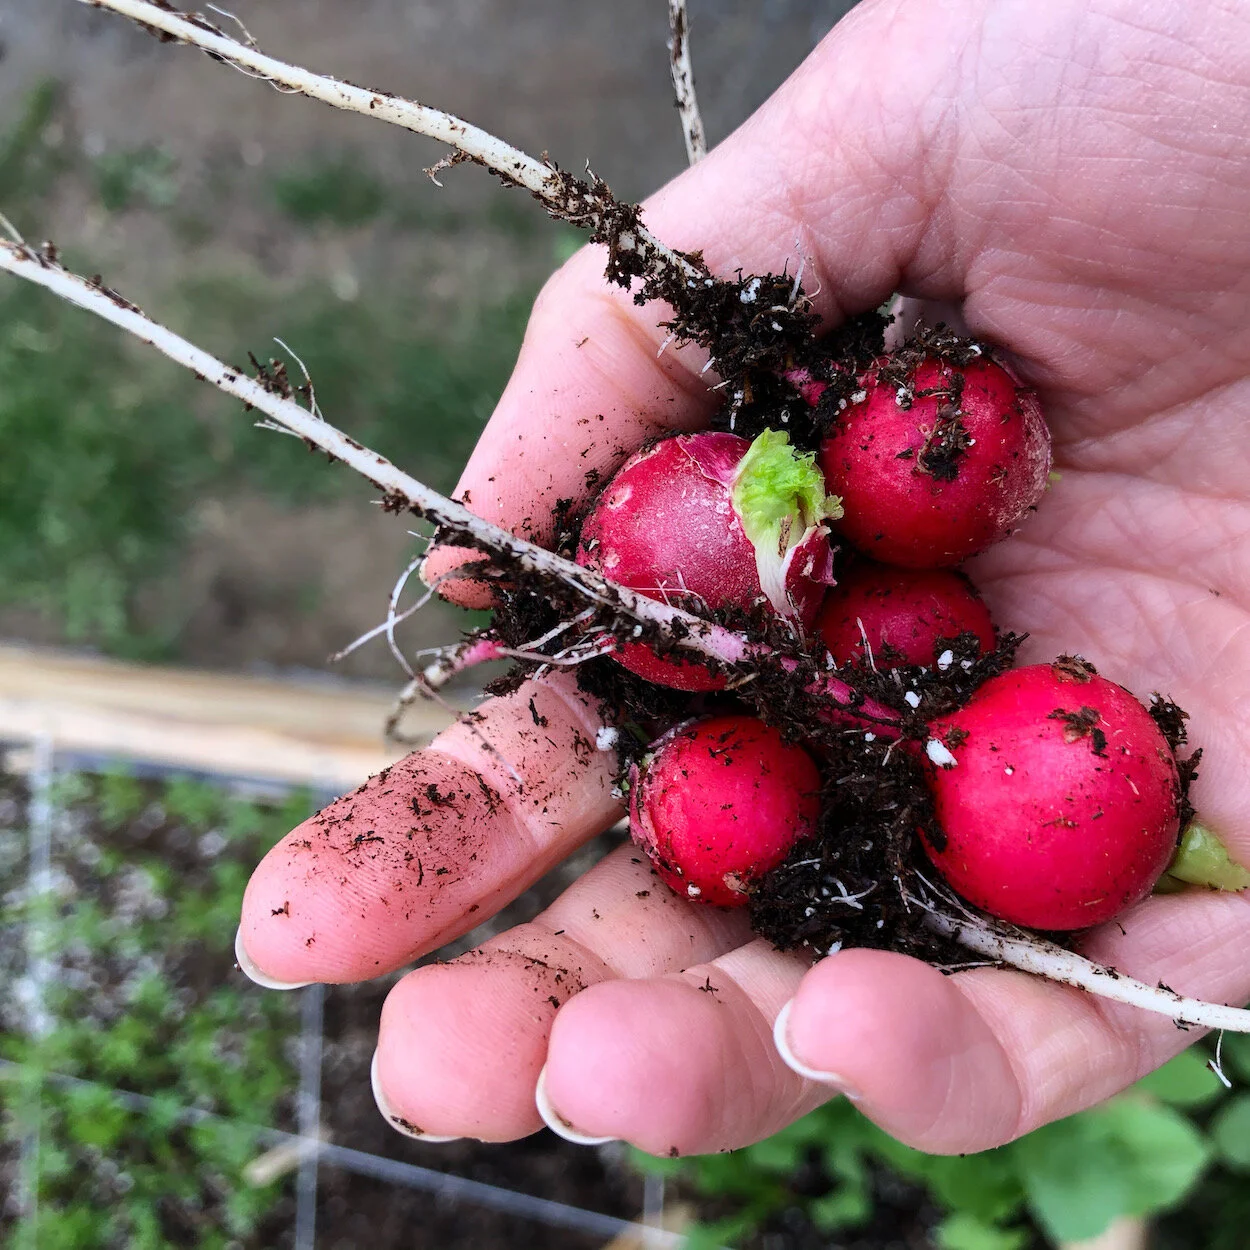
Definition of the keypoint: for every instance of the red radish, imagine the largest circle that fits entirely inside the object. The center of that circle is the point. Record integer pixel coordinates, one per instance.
(902, 614)
(1062, 804)
(719, 803)
(707, 521)
(936, 462)
(810, 388)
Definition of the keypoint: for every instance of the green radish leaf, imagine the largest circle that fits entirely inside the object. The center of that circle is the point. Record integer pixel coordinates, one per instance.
(1185, 1081)
(779, 496)
(1235, 1055)
(1203, 859)
(965, 1232)
(1126, 1158)
(1230, 1133)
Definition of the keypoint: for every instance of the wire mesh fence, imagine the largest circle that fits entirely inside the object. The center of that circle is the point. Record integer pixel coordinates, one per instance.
(152, 1096)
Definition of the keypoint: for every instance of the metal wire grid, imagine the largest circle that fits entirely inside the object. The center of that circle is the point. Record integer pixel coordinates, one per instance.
(307, 1144)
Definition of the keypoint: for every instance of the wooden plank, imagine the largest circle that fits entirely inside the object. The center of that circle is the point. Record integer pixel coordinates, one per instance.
(326, 734)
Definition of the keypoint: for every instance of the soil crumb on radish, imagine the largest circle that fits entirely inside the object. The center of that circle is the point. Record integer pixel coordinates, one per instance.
(855, 882)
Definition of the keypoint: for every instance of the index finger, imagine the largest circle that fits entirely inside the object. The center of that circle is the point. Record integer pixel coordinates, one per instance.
(433, 845)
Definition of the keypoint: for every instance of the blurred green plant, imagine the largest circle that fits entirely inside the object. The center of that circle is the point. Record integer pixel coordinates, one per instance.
(102, 460)
(112, 450)
(421, 399)
(146, 176)
(1140, 1154)
(141, 932)
(29, 164)
(338, 192)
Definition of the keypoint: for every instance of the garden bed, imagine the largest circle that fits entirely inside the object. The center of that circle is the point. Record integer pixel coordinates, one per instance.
(147, 1087)
(144, 1074)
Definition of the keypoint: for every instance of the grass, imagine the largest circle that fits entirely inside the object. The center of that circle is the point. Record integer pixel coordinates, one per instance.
(336, 192)
(94, 488)
(111, 450)
(139, 927)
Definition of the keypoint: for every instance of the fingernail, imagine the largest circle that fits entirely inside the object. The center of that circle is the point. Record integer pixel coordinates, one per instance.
(781, 1039)
(556, 1122)
(397, 1122)
(253, 973)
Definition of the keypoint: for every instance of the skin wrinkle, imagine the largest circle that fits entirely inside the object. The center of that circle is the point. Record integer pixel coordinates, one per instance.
(1108, 404)
(571, 913)
(1137, 541)
(973, 284)
(907, 226)
(733, 997)
(1012, 1060)
(1066, 1085)
(1047, 1084)
(1124, 13)
(1123, 663)
(1106, 650)
(529, 818)
(677, 366)
(585, 966)
(950, 1106)
(1181, 440)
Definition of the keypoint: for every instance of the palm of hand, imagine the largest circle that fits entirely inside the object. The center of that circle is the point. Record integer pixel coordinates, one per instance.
(1075, 183)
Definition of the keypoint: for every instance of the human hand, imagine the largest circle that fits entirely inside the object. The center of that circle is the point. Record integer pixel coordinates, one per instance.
(1076, 178)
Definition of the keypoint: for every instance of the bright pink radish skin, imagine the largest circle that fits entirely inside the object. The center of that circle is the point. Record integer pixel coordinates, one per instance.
(719, 803)
(1063, 804)
(906, 610)
(708, 521)
(927, 480)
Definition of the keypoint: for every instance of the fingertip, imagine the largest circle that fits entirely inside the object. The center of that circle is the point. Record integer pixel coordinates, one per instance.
(446, 570)
(397, 1122)
(556, 1122)
(781, 1039)
(247, 966)
(925, 1065)
(461, 1045)
(627, 1061)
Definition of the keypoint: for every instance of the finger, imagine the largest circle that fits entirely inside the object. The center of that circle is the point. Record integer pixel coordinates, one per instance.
(429, 847)
(967, 1062)
(587, 390)
(681, 1064)
(462, 1043)
(591, 384)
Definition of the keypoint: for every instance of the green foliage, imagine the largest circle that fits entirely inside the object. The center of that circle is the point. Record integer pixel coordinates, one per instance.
(94, 487)
(146, 176)
(147, 1003)
(420, 400)
(1128, 1157)
(1231, 1133)
(113, 448)
(97, 469)
(28, 165)
(1139, 1154)
(1187, 1081)
(962, 1231)
(339, 192)
(120, 798)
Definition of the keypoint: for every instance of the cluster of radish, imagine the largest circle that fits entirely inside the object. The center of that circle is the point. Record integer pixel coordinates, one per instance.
(1057, 798)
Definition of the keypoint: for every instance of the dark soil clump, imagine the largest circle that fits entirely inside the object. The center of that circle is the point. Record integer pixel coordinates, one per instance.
(853, 883)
